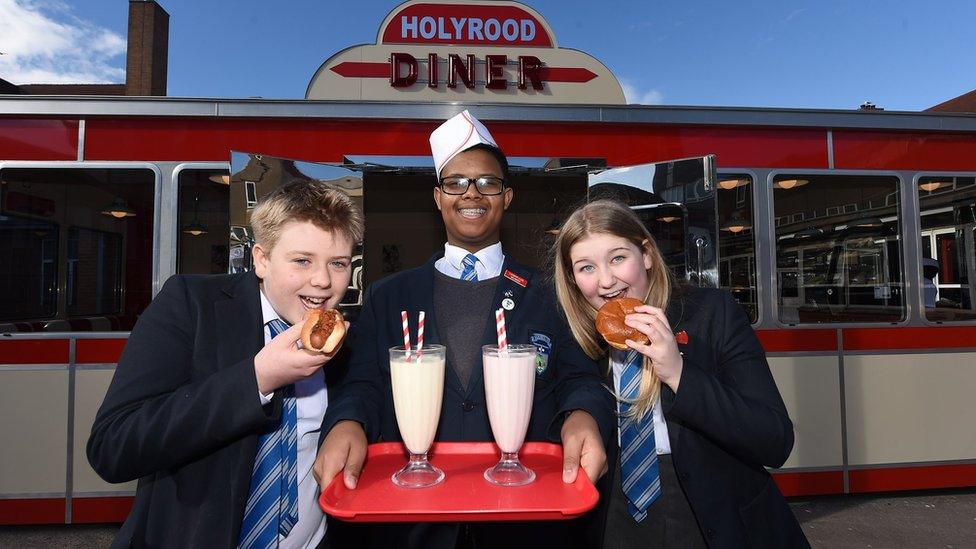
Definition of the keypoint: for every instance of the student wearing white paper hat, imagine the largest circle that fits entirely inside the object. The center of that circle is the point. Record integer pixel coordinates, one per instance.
(459, 288)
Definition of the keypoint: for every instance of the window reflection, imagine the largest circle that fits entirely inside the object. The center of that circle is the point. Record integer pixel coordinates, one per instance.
(75, 248)
(203, 221)
(946, 206)
(736, 240)
(838, 256)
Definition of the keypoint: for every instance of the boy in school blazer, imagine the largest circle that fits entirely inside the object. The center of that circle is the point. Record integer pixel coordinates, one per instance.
(203, 382)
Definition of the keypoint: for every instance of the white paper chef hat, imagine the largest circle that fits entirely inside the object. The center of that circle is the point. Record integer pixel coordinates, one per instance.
(458, 134)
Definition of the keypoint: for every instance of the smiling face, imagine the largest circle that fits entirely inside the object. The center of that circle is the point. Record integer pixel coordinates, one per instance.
(606, 266)
(472, 220)
(308, 268)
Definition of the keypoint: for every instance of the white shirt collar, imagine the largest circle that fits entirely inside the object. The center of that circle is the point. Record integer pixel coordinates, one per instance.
(267, 310)
(489, 264)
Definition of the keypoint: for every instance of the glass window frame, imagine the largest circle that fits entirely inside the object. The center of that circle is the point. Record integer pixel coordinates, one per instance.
(157, 193)
(915, 228)
(762, 287)
(908, 208)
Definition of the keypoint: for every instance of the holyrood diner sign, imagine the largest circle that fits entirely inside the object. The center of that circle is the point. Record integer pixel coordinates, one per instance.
(479, 51)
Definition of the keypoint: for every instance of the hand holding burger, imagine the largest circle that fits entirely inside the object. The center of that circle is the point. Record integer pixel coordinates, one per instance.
(648, 331)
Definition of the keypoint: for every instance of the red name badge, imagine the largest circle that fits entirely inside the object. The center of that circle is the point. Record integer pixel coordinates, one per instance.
(516, 278)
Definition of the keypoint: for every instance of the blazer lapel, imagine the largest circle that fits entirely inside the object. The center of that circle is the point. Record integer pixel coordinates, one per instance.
(240, 332)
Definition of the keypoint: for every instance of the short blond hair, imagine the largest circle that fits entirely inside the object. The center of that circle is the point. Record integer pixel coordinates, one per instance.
(616, 219)
(306, 200)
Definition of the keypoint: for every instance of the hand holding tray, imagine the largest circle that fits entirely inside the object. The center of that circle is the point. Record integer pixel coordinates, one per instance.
(464, 496)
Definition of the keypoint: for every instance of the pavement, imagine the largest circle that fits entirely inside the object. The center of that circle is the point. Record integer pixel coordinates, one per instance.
(936, 519)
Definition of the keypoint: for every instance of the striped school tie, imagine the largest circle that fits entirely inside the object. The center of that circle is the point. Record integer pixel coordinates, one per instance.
(272, 502)
(638, 449)
(468, 273)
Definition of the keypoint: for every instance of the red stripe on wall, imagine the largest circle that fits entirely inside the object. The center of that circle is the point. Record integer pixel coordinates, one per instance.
(104, 509)
(797, 340)
(38, 139)
(811, 483)
(876, 150)
(329, 140)
(32, 511)
(98, 351)
(864, 339)
(913, 478)
(34, 351)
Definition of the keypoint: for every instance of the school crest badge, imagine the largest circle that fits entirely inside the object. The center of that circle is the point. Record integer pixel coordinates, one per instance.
(543, 347)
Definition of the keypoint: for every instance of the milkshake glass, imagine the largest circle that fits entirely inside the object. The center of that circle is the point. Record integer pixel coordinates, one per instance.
(509, 390)
(417, 377)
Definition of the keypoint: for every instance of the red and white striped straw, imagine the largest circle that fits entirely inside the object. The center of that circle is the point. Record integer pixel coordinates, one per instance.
(500, 329)
(406, 332)
(420, 331)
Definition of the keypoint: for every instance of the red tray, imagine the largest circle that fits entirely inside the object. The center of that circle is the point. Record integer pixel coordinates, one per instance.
(464, 495)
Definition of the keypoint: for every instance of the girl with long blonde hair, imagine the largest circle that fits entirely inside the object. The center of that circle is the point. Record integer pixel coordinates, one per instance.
(701, 375)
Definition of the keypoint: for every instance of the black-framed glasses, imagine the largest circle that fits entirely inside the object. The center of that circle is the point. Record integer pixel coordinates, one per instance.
(488, 185)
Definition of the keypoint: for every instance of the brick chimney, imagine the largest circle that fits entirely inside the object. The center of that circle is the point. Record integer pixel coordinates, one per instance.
(148, 49)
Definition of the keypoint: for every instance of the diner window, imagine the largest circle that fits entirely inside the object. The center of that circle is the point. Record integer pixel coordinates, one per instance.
(204, 222)
(948, 241)
(838, 255)
(75, 248)
(736, 240)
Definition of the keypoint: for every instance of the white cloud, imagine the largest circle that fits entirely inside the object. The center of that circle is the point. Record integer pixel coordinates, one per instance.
(633, 95)
(44, 43)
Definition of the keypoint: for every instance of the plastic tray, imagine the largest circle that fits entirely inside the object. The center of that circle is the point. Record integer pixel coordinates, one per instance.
(464, 495)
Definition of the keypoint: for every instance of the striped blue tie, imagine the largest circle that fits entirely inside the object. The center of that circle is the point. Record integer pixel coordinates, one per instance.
(272, 502)
(638, 449)
(468, 273)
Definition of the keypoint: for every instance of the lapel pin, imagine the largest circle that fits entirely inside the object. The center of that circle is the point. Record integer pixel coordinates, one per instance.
(681, 337)
(508, 304)
(509, 293)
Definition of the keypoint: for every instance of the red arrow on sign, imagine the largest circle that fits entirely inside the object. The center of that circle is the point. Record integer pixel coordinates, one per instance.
(365, 69)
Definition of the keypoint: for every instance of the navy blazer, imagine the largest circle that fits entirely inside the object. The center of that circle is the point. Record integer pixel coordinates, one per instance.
(726, 424)
(571, 380)
(182, 413)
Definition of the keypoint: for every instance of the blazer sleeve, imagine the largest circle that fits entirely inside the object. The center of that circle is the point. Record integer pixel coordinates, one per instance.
(156, 415)
(738, 405)
(359, 397)
(579, 386)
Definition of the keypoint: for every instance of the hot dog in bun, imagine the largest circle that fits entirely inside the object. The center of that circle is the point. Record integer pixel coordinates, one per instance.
(323, 330)
(610, 322)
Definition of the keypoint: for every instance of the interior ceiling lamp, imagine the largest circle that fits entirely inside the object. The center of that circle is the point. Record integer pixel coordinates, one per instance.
(932, 185)
(729, 184)
(809, 232)
(668, 218)
(195, 228)
(790, 183)
(223, 179)
(118, 209)
(736, 224)
(867, 223)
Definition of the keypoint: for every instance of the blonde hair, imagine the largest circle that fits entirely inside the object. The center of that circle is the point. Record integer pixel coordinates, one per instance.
(616, 219)
(306, 200)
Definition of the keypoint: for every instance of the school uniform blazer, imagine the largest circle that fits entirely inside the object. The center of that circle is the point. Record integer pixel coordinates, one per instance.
(570, 380)
(182, 413)
(726, 423)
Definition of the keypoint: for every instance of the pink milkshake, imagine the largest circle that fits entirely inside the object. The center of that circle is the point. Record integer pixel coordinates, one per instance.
(509, 389)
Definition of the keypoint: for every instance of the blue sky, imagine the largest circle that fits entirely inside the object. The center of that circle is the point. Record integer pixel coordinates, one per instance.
(901, 55)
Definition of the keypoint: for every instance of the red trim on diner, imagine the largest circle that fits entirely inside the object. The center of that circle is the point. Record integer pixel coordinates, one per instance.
(32, 511)
(98, 351)
(912, 478)
(328, 140)
(34, 351)
(101, 509)
(797, 340)
(868, 339)
(38, 139)
(893, 150)
(809, 483)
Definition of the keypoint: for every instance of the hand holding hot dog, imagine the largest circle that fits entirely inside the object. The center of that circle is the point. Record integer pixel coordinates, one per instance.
(281, 362)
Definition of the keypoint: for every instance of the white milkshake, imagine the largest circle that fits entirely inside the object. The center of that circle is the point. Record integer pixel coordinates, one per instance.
(418, 389)
(417, 379)
(509, 390)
